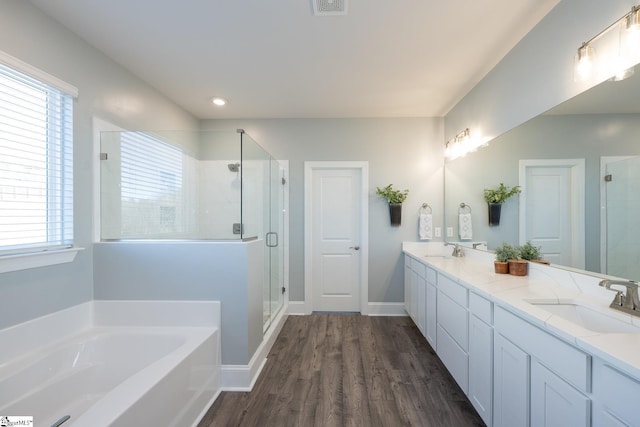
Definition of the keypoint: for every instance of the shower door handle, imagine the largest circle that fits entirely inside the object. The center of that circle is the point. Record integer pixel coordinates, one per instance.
(268, 239)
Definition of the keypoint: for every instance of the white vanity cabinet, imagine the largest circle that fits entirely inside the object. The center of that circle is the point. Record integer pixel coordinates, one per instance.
(409, 288)
(554, 402)
(514, 369)
(510, 384)
(453, 329)
(420, 296)
(481, 356)
(415, 290)
(615, 397)
(538, 377)
(431, 308)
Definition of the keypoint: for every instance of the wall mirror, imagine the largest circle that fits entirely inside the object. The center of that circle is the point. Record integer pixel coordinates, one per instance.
(579, 168)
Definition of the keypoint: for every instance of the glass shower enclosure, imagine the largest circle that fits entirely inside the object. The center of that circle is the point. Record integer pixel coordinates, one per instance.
(622, 204)
(195, 185)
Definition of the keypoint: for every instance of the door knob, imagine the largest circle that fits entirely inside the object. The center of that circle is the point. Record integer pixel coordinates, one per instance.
(354, 247)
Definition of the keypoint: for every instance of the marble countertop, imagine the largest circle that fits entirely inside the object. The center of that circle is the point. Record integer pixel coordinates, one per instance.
(544, 284)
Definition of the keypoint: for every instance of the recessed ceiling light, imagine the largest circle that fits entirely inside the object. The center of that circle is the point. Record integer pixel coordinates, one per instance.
(219, 101)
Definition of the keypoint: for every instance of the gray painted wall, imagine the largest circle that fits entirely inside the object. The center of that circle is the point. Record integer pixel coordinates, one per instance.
(107, 91)
(229, 272)
(406, 152)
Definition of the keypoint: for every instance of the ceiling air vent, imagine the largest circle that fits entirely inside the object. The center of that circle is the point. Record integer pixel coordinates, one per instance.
(329, 7)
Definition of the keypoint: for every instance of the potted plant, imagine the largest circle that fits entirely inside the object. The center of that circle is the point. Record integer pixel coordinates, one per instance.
(504, 253)
(517, 265)
(531, 253)
(495, 197)
(394, 198)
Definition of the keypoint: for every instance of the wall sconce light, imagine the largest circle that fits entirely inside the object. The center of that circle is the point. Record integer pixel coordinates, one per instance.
(616, 65)
(461, 144)
(584, 62)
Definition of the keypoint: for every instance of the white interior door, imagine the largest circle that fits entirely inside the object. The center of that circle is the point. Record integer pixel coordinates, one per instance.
(552, 209)
(335, 213)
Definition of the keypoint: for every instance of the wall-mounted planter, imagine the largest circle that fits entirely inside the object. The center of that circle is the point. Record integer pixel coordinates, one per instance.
(494, 213)
(395, 213)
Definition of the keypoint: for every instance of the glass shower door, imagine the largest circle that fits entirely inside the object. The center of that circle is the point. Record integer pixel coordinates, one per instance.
(622, 207)
(274, 241)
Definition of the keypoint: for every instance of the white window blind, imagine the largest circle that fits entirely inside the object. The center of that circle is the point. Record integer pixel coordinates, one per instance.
(36, 164)
(152, 199)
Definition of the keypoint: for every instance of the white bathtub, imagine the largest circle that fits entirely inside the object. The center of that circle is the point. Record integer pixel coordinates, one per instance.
(104, 363)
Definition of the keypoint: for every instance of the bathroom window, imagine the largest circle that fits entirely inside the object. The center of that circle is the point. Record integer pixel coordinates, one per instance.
(36, 160)
(152, 199)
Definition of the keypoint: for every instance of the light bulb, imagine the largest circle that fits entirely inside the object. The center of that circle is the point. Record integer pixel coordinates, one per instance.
(584, 63)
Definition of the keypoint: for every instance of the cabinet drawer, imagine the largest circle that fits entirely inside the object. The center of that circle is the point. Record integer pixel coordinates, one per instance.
(456, 291)
(453, 318)
(454, 358)
(431, 276)
(481, 307)
(418, 267)
(565, 360)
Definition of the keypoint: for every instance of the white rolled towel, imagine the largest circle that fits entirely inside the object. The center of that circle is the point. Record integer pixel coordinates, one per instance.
(464, 226)
(425, 229)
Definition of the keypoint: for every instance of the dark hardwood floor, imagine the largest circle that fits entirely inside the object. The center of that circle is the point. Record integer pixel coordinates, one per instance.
(348, 370)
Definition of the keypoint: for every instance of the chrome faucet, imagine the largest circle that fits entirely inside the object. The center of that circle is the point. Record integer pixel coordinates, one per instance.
(457, 251)
(628, 302)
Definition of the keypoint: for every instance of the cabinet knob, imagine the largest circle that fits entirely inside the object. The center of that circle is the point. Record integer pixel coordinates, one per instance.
(357, 248)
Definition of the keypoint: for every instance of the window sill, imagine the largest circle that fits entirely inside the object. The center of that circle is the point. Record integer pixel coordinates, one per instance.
(37, 259)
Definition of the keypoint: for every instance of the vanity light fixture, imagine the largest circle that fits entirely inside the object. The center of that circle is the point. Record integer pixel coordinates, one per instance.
(219, 101)
(584, 62)
(631, 27)
(617, 65)
(461, 144)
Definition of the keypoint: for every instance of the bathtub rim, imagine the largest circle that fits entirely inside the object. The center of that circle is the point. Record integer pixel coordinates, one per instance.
(40, 332)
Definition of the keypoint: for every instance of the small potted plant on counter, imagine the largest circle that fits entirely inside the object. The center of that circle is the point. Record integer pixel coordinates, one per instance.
(531, 253)
(504, 253)
(495, 197)
(517, 265)
(394, 198)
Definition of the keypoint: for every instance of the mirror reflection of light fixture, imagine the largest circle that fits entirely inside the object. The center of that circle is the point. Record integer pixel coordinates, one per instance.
(461, 144)
(616, 65)
(621, 72)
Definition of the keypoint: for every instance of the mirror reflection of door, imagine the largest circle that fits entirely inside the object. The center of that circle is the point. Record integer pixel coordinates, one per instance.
(622, 190)
(552, 209)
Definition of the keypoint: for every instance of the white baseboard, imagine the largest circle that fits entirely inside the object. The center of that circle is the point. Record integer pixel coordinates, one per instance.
(243, 377)
(372, 309)
(386, 309)
(298, 308)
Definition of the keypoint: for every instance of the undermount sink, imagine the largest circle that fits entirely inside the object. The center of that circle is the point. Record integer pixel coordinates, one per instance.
(587, 318)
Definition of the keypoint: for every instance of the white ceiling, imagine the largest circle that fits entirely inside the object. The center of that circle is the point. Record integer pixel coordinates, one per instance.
(274, 59)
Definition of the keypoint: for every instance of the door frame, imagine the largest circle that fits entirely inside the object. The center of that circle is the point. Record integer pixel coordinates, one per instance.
(577, 206)
(309, 168)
